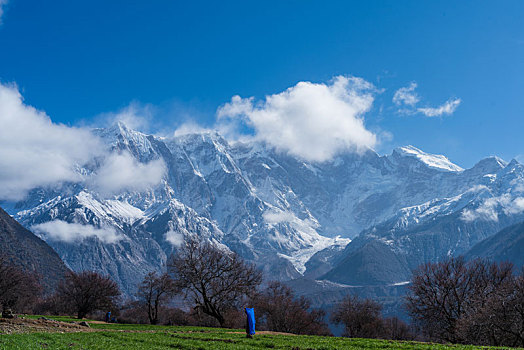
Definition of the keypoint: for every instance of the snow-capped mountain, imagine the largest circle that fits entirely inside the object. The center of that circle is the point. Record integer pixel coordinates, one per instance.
(290, 216)
(490, 197)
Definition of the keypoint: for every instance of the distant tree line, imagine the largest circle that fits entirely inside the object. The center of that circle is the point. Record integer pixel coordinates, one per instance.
(455, 301)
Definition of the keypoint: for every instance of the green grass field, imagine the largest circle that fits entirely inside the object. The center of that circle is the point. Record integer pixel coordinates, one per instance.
(121, 336)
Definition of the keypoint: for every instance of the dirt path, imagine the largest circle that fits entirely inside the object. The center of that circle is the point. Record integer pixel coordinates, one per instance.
(26, 325)
(266, 332)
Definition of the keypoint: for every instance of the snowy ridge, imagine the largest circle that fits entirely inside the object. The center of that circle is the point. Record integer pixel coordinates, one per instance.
(434, 161)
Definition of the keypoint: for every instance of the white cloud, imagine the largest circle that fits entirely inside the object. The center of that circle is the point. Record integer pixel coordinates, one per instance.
(175, 238)
(406, 99)
(34, 151)
(308, 120)
(2, 5)
(489, 209)
(406, 95)
(515, 207)
(446, 109)
(59, 230)
(122, 172)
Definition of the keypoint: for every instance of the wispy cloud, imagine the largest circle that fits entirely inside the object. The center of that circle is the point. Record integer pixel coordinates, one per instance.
(175, 238)
(136, 116)
(59, 230)
(3, 3)
(406, 99)
(190, 127)
(406, 95)
(490, 208)
(309, 120)
(447, 108)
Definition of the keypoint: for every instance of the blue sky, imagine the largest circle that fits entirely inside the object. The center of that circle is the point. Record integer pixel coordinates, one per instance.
(78, 60)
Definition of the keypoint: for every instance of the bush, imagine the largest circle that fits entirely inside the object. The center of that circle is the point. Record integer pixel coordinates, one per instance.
(277, 309)
(19, 289)
(362, 318)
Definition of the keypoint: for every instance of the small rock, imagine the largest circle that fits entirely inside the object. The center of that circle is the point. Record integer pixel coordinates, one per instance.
(84, 323)
(43, 318)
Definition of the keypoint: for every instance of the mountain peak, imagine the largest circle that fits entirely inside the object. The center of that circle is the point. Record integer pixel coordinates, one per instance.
(120, 128)
(434, 161)
(211, 137)
(490, 164)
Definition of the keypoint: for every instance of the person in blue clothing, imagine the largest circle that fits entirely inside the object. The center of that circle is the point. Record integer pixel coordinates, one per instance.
(250, 322)
(108, 316)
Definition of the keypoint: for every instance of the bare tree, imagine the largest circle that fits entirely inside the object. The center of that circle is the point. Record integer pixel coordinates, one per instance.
(18, 288)
(446, 297)
(361, 318)
(500, 320)
(87, 291)
(214, 279)
(278, 310)
(508, 312)
(155, 291)
(396, 329)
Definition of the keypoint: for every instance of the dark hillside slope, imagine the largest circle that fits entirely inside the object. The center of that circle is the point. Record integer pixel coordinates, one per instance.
(373, 264)
(506, 245)
(24, 249)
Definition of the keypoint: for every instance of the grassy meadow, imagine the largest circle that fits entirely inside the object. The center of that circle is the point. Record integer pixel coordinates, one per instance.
(131, 336)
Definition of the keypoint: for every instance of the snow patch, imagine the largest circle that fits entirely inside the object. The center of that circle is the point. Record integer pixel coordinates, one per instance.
(401, 283)
(327, 284)
(110, 208)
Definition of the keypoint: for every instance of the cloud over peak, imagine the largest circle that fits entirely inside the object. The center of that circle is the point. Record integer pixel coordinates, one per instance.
(122, 172)
(490, 208)
(313, 121)
(35, 152)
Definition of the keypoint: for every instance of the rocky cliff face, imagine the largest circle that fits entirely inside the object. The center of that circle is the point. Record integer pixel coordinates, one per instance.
(506, 245)
(291, 217)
